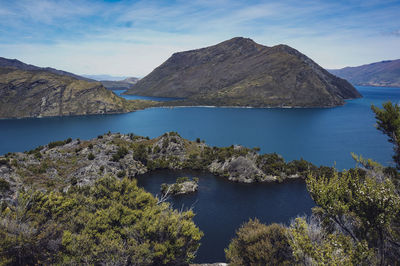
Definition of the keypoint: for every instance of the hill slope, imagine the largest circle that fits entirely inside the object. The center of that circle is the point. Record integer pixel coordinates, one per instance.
(39, 93)
(240, 72)
(384, 73)
(14, 63)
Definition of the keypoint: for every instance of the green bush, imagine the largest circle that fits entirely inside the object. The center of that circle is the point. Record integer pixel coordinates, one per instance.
(121, 152)
(4, 161)
(109, 223)
(258, 244)
(91, 156)
(4, 185)
(121, 174)
(55, 144)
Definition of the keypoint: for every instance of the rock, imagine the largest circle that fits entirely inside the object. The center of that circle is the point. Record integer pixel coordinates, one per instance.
(182, 186)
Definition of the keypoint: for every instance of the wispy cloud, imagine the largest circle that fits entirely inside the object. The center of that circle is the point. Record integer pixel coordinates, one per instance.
(133, 37)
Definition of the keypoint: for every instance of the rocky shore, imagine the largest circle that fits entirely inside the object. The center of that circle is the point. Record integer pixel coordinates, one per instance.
(61, 165)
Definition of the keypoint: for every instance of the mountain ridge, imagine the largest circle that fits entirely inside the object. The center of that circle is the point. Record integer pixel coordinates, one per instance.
(40, 93)
(383, 73)
(15, 63)
(241, 72)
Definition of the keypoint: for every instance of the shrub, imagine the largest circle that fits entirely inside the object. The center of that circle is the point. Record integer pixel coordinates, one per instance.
(4, 185)
(91, 156)
(4, 161)
(140, 153)
(109, 223)
(258, 244)
(55, 144)
(121, 174)
(121, 152)
(198, 140)
(183, 179)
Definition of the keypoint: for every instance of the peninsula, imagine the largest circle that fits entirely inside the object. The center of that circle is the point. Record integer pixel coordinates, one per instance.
(30, 91)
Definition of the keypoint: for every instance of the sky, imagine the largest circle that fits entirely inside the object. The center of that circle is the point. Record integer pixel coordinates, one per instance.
(131, 38)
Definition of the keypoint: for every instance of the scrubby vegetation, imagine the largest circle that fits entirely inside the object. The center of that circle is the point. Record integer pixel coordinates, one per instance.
(111, 223)
(258, 244)
(356, 221)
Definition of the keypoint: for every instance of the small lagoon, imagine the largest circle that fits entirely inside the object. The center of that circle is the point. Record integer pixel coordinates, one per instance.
(222, 206)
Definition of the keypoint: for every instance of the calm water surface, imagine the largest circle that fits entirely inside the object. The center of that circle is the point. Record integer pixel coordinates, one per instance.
(322, 136)
(222, 206)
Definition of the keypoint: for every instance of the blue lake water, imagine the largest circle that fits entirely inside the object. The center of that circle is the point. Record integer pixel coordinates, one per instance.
(320, 135)
(222, 206)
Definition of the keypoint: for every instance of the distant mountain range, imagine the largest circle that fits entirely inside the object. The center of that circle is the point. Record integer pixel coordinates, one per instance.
(384, 73)
(240, 72)
(105, 77)
(31, 91)
(120, 84)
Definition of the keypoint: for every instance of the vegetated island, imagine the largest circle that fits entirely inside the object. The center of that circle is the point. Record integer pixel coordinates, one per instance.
(64, 164)
(183, 185)
(240, 72)
(384, 73)
(31, 91)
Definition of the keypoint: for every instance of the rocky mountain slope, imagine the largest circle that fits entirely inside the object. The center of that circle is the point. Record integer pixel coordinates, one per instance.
(62, 164)
(240, 72)
(384, 73)
(14, 63)
(124, 84)
(39, 93)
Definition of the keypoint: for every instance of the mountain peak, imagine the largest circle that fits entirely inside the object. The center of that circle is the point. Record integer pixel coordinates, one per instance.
(241, 72)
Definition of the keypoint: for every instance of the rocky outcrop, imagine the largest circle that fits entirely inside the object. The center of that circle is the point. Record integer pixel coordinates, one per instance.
(181, 186)
(240, 72)
(38, 93)
(62, 164)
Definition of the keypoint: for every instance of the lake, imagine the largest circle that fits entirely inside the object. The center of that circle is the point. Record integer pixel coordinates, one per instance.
(324, 136)
(222, 206)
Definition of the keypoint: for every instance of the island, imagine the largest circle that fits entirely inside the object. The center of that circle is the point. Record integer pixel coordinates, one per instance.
(241, 72)
(183, 185)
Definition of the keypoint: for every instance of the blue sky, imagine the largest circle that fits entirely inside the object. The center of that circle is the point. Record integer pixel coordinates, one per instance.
(131, 38)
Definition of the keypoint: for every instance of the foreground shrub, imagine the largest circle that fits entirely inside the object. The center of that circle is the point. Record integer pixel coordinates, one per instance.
(258, 244)
(111, 223)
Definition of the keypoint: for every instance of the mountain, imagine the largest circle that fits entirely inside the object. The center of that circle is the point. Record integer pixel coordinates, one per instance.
(14, 63)
(104, 77)
(384, 73)
(240, 72)
(120, 84)
(39, 93)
